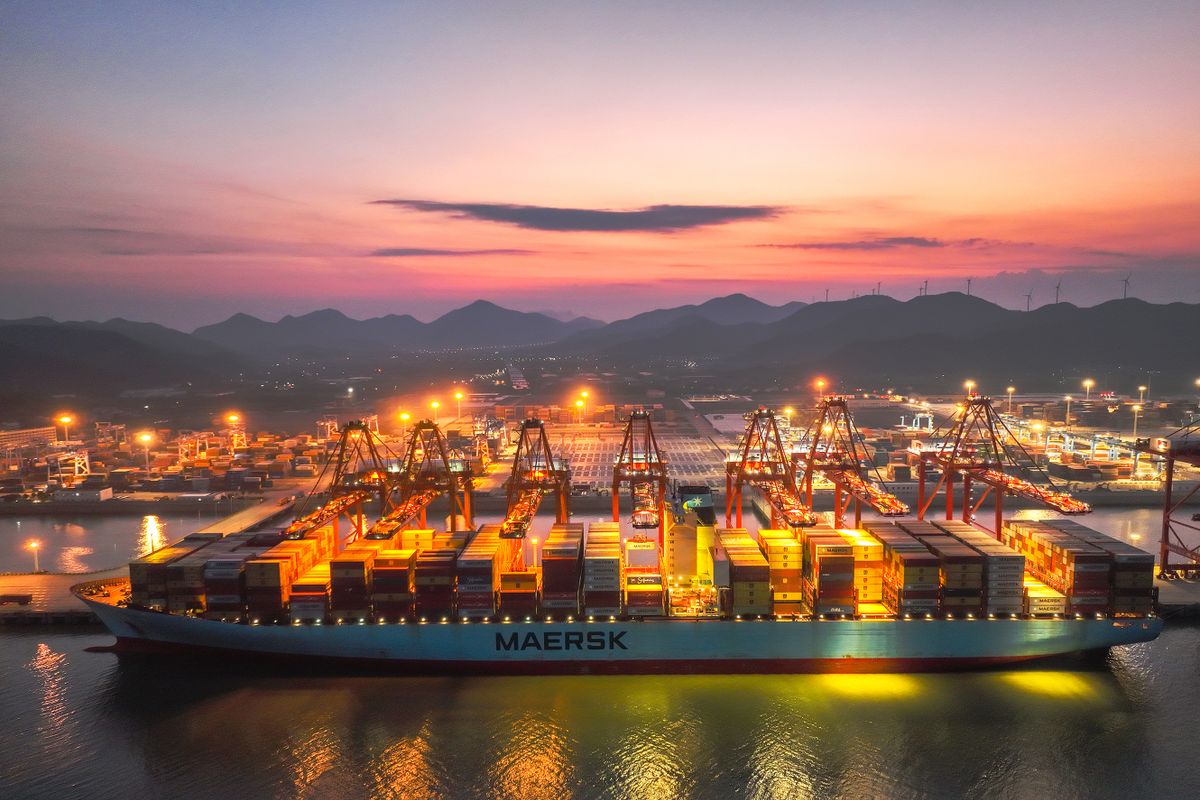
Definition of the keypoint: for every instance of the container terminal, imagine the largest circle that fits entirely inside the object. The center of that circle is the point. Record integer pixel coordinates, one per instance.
(360, 576)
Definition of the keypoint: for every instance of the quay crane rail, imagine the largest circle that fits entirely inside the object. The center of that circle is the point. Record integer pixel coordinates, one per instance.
(1182, 445)
(641, 465)
(428, 471)
(535, 473)
(763, 463)
(359, 473)
(979, 446)
(834, 449)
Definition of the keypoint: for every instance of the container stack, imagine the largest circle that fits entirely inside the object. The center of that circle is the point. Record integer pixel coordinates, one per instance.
(519, 593)
(960, 569)
(911, 575)
(868, 565)
(1003, 569)
(829, 577)
(785, 559)
(478, 569)
(268, 584)
(749, 573)
(225, 586)
(562, 569)
(1077, 569)
(185, 581)
(643, 584)
(1133, 592)
(416, 539)
(1042, 601)
(681, 546)
(392, 582)
(602, 570)
(434, 583)
(351, 575)
(309, 600)
(148, 574)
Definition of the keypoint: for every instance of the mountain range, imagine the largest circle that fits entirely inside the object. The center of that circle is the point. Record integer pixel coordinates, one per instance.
(927, 339)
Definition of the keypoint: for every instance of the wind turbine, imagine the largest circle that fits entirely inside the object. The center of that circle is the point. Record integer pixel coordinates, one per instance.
(1125, 290)
(1028, 299)
(968, 287)
(1057, 288)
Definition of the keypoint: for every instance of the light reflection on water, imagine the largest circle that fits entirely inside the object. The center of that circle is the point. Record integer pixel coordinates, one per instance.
(1081, 727)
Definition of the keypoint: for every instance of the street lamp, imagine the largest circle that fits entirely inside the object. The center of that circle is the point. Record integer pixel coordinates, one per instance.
(1068, 420)
(65, 420)
(458, 396)
(970, 387)
(1010, 391)
(1037, 429)
(34, 545)
(1088, 383)
(146, 438)
(1141, 394)
(788, 412)
(584, 395)
(821, 388)
(579, 408)
(1136, 409)
(435, 405)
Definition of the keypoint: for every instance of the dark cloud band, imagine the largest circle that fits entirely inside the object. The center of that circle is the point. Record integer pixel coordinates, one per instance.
(654, 219)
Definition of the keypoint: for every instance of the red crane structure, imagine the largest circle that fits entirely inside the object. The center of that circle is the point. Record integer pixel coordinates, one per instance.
(979, 447)
(1181, 446)
(430, 470)
(832, 446)
(642, 466)
(359, 473)
(535, 473)
(763, 463)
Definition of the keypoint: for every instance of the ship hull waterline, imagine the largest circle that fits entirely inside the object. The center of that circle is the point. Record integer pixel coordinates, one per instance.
(658, 646)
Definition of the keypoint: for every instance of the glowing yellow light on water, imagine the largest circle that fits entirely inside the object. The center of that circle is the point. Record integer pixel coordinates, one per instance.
(883, 686)
(1065, 685)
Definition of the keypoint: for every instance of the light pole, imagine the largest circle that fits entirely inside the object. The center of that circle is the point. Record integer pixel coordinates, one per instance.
(1088, 383)
(970, 387)
(435, 405)
(35, 545)
(146, 439)
(788, 413)
(458, 396)
(820, 388)
(584, 395)
(1068, 419)
(65, 420)
(1010, 391)
(1136, 409)
(1141, 394)
(579, 410)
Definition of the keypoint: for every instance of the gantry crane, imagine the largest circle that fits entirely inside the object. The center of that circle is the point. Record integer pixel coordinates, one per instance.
(832, 446)
(359, 473)
(979, 447)
(642, 466)
(1181, 446)
(428, 471)
(763, 463)
(535, 473)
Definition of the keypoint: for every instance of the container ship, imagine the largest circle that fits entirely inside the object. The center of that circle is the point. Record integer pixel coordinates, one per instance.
(898, 595)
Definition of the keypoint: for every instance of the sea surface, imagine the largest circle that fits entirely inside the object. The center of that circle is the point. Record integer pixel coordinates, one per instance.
(85, 543)
(80, 724)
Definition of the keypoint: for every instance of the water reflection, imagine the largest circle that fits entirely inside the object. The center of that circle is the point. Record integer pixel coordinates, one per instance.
(150, 536)
(999, 733)
(71, 559)
(46, 665)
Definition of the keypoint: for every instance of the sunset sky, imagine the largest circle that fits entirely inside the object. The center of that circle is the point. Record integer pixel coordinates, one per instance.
(178, 162)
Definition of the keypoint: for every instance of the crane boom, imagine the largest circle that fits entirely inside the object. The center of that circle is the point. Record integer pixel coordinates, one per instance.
(535, 473)
(642, 467)
(761, 462)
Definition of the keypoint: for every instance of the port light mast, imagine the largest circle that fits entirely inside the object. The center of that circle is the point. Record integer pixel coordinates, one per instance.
(642, 467)
(833, 447)
(355, 473)
(430, 470)
(1182, 446)
(535, 473)
(978, 446)
(762, 462)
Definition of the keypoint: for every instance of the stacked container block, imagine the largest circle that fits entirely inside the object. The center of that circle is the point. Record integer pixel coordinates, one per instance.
(602, 570)
(562, 569)
(749, 573)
